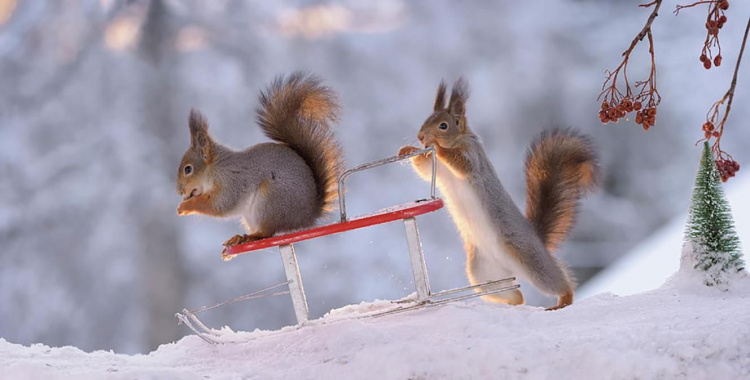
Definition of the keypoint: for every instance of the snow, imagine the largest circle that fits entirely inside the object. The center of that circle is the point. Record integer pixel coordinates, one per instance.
(681, 330)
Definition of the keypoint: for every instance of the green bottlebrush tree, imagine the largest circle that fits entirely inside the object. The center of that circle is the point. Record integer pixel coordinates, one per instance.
(710, 230)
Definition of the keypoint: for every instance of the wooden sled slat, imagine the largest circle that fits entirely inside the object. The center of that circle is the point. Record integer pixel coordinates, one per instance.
(390, 214)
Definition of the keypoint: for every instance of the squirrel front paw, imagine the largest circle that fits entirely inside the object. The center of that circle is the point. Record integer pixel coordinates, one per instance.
(199, 204)
(183, 209)
(407, 150)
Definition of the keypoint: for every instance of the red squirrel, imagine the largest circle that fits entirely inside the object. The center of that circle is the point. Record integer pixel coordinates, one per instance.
(499, 240)
(275, 186)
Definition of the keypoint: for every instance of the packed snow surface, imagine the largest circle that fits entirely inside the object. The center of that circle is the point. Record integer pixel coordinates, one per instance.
(681, 330)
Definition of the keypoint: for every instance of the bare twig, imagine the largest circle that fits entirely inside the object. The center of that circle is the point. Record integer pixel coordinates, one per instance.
(714, 128)
(715, 20)
(681, 7)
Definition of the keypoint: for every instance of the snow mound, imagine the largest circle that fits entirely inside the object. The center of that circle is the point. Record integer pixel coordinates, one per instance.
(689, 279)
(651, 263)
(671, 332)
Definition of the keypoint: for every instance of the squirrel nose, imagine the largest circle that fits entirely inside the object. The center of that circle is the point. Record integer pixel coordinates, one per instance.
(420, 136)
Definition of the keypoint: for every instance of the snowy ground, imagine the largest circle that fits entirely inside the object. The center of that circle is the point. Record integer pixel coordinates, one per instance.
(677, 331)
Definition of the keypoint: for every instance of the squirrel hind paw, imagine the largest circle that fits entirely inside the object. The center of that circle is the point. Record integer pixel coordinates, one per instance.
(242, 239)
(225, 256)
(563, 301)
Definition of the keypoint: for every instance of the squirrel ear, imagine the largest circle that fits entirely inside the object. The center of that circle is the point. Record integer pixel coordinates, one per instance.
(199, 138)
(440, 98)
(459, 95)
(461, 123)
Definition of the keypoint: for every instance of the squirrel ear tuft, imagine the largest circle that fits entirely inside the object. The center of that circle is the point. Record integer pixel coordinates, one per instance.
(440, 98)
(199, 138)
(459, 95)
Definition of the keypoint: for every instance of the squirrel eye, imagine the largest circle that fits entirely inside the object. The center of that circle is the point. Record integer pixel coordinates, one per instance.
(443, 126)
(188, 169)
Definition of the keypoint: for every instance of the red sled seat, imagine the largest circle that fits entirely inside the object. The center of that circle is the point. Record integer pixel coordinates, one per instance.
(390, 214)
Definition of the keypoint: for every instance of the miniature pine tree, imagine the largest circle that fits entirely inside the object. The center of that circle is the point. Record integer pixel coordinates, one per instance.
(710, 228)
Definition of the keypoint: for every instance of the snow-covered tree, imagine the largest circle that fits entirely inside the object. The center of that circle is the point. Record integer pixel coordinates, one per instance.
(715, 247)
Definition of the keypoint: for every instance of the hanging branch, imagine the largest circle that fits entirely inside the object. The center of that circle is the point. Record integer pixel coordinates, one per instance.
(617, 105)
(714, 128)
(714, 21)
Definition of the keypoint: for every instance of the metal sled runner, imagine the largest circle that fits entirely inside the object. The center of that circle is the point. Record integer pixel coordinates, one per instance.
(406, 212)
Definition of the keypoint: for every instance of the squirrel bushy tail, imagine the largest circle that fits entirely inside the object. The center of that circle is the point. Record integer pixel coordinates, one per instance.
(297, 111)
(561, 165)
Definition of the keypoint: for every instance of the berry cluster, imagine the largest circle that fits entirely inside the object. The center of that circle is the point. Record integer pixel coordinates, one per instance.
(615, 111)
(646, 118)
(709, 130)
(727, 168)
(707, 62)
(716, 21)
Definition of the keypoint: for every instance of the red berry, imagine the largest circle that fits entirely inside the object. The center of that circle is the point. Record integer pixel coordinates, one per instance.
(724, 5)
(603, 116)
(703, 58)
(707, 64)
(627, 105)
(717, 60)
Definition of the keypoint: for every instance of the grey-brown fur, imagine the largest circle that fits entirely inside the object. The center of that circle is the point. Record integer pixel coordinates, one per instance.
(561, 164)
(499, 240)
(541, 268)
(275, 186)
(288, 203)
(297, 111)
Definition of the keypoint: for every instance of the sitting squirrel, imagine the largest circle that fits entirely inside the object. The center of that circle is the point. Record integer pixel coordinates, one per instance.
(275, 186)
(499, 241)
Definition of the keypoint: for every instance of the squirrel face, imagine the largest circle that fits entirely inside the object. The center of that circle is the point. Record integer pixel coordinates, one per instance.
(446, 125)
(441, 128)
(191, 175)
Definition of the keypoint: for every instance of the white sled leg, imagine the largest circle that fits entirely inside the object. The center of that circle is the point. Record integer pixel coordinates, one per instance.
(418, 266)
(296, 291)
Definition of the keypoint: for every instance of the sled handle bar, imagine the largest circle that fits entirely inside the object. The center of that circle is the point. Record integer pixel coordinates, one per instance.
(369, 165)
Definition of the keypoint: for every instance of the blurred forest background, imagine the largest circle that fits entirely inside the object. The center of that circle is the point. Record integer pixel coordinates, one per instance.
(93, 121)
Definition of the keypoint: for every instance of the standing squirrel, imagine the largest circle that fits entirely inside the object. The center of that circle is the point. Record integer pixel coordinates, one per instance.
(275, 186)
(499, 240)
